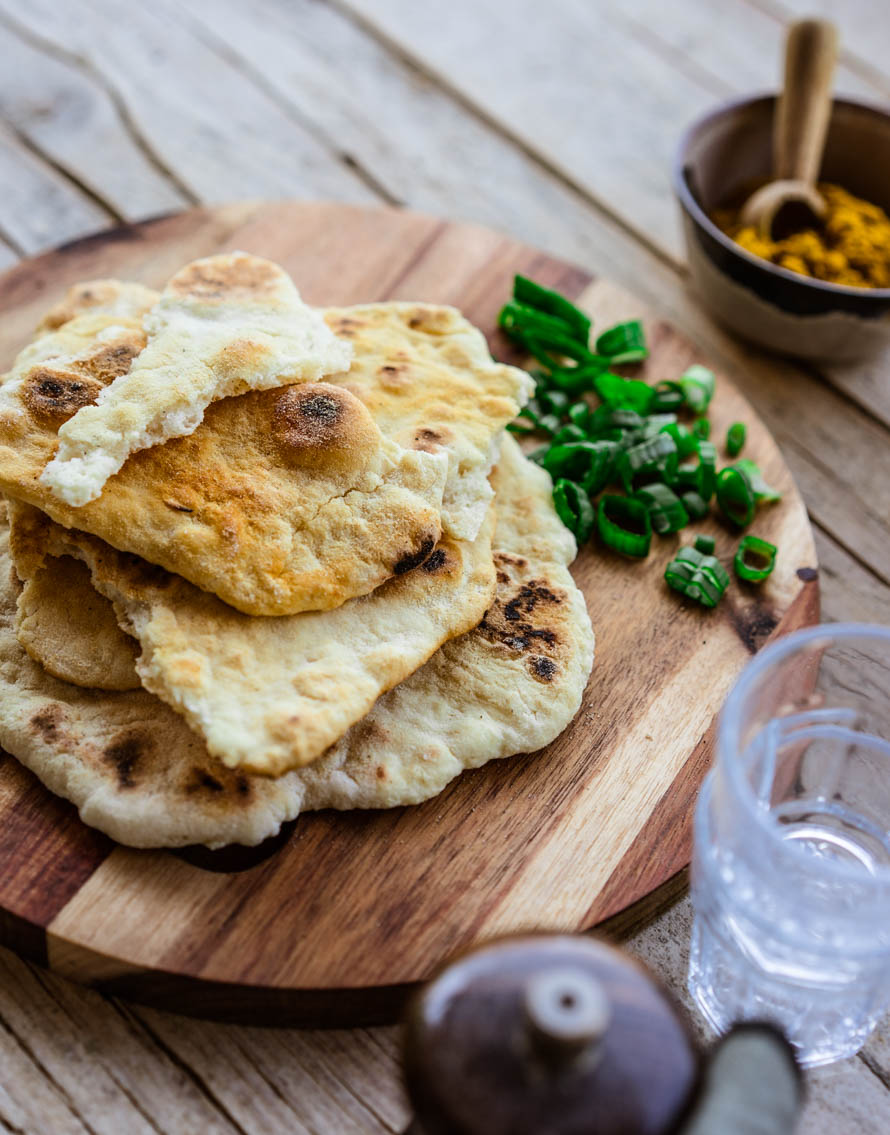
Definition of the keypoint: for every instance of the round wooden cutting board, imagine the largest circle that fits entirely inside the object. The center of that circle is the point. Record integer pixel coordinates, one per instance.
(333, 921)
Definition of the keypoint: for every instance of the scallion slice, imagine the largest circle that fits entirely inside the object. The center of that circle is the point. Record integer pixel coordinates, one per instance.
(624, 525)
(697, 384)
(735, 438)
(578, 414)
(704, 544)
(701, 427)
(655, 454)
(735, 497)
(697, 575)
(694, 505)
(623, 343)
(763, 493)
(623, 393)
(666, 396)
(666, 511)
(527, 292)
(574, 509)
(685, 441)
(567, 433)
(754, 559)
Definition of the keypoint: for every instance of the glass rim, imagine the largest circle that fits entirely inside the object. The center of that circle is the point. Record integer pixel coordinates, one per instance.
(730, 722)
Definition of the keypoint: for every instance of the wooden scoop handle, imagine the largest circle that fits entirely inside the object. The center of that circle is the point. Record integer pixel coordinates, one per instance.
(805, 105)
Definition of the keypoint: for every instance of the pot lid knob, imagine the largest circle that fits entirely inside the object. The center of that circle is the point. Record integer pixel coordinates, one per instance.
(547, 1034)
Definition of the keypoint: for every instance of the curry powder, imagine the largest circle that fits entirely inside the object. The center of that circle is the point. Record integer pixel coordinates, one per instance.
(851, 247)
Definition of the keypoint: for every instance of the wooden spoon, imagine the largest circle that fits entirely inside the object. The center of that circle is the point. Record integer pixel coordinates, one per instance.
(791, 201)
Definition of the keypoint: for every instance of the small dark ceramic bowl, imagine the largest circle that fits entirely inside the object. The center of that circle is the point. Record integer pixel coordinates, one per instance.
(718, 157)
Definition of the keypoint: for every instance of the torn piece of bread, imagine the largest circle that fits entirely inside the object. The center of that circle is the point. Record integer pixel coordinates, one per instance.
(268, 695)
(66, 625)
(223, 325)
(101, 297)
(137, 772)
(430, 383)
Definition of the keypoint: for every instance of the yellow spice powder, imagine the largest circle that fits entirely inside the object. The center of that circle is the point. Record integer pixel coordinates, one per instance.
(852, 246)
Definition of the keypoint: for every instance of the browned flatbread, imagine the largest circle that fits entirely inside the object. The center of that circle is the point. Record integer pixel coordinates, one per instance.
(259, 506)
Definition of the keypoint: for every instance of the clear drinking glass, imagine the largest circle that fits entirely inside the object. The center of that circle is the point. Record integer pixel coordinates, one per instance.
(791, 869)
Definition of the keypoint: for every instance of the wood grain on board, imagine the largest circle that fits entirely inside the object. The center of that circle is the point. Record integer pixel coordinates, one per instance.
(349, 909)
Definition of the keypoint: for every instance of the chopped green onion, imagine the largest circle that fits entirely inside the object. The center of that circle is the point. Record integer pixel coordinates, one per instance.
(527, 292)
(684, 439)
(623, 393)
(735, 438)
(701, 427)
(666, 396)
(666, 513)
(574, 380)
(655, 423)
(700, 478)
(707, 465)
(655, 454)
(624, 525)
(697, 384)
(611, 417)
(589, 463)
(623, 343)
(569, 432)
(694, 505)
(754, 559)
(763, 493)
(547, 345)
(735, 497)
(574, 509)
(578, 413)
(704, 544)
(697, 575)
(553, 401)
(538, 455)
(519, 321)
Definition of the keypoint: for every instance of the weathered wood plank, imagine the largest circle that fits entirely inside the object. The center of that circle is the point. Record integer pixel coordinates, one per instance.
(591, 89)
(110, 1074)
(64, 112)
(212, 125)
(272, 1080)
(39, 207)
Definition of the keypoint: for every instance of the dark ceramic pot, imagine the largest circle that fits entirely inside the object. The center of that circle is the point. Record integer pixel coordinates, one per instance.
(795, 315)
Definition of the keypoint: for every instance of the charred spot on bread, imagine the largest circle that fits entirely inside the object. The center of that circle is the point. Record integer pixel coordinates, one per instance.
(541, 668)
(315, 416)
(428, 440)
(54, 396)
(125, 752)
(437, 560)
(48, 722)
(410, 560)
(109, 363)
(232, 279)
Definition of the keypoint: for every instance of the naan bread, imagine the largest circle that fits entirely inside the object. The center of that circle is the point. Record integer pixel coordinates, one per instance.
(512, 685)
(101, 297)
(270, 695)
(430, 384)
(66, 626)
(222, 326)
(281, 501)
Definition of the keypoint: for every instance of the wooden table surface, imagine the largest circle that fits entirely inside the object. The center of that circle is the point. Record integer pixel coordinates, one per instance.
(556, 124)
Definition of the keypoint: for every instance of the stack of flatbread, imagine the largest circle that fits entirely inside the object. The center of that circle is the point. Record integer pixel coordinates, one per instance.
(261, 559)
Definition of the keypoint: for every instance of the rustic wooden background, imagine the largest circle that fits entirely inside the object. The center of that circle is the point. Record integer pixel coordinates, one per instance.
(556, 124)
